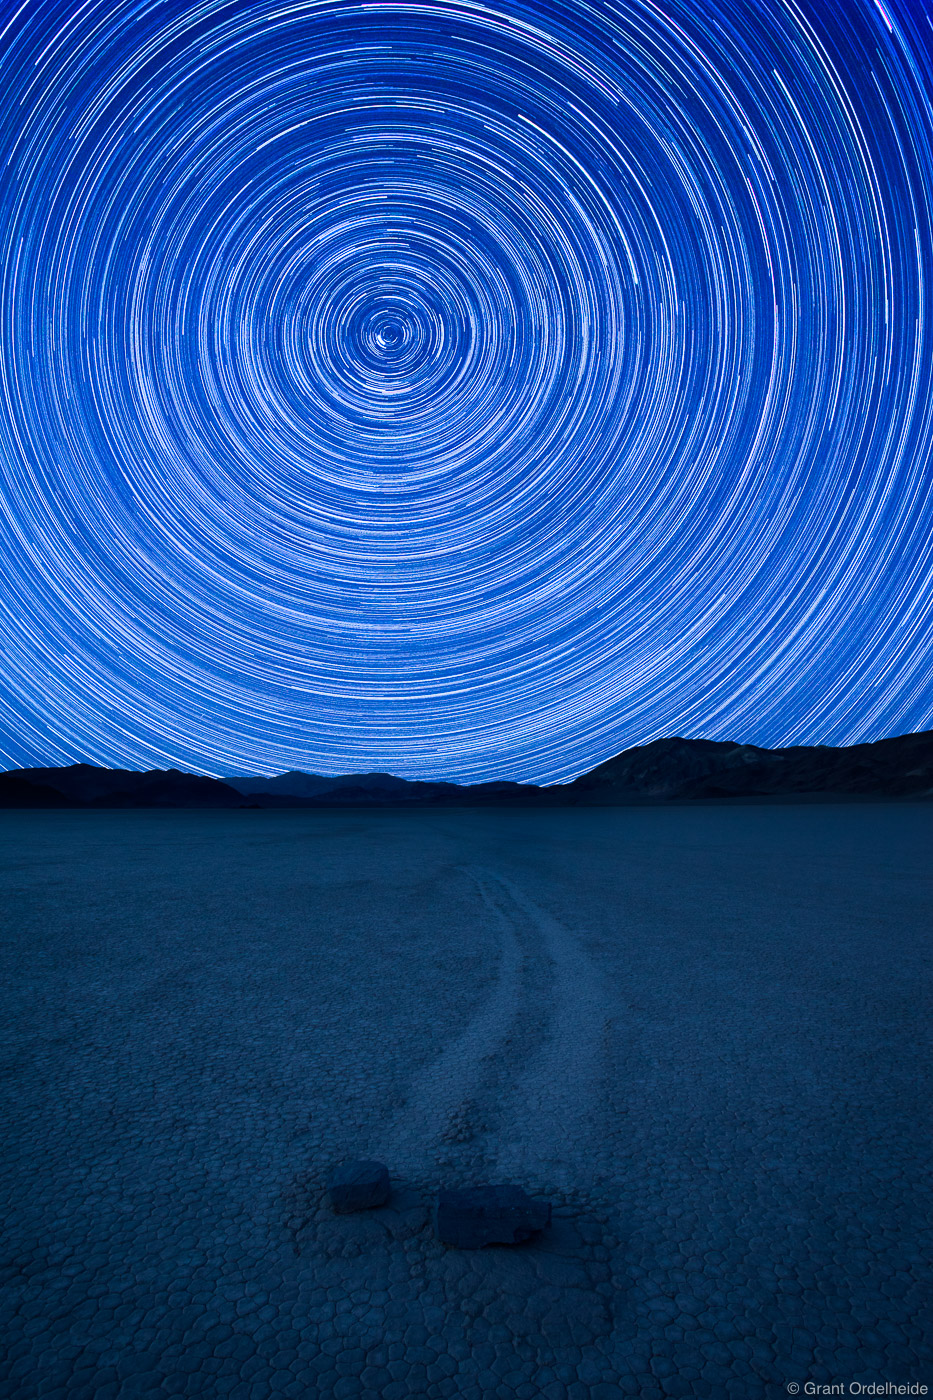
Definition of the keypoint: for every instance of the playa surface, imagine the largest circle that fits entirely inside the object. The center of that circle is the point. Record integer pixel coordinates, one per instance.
(702, 1033)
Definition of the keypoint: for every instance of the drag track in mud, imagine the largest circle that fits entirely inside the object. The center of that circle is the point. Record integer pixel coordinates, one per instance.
(701, 1033)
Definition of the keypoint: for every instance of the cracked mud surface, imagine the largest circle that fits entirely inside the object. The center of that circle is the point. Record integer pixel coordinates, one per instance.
(701, 1033)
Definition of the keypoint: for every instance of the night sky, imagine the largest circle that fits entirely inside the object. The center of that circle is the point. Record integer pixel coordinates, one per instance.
(463, 390)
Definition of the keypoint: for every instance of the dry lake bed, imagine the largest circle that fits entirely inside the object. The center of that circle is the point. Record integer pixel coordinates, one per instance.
(701, 1033)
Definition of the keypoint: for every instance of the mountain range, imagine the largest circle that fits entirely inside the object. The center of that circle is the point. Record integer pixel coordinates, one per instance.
(666, 770)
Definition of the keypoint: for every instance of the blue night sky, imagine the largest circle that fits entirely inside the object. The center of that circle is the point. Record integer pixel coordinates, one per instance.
(464, 390)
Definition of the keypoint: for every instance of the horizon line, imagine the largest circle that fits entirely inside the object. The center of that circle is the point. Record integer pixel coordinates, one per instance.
(385, 772)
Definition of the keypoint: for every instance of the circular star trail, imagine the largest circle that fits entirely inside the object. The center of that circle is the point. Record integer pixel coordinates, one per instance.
(465, 390)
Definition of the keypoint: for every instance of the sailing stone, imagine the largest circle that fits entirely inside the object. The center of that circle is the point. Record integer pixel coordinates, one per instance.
(482, 1215)
(358, 1186)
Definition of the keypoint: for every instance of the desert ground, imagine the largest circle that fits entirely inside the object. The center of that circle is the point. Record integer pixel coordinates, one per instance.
(700, 1032)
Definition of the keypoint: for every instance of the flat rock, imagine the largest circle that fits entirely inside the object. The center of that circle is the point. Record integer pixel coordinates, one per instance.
(358, 1186)
(482, 1215)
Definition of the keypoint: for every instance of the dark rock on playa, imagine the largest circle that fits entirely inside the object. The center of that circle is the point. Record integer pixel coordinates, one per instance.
(358, 1186)
(484, 1215)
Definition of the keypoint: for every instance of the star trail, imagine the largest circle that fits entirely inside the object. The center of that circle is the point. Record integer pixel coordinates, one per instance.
(464, 390)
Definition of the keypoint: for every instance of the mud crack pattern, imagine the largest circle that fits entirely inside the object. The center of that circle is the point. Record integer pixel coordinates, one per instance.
(700, 1033)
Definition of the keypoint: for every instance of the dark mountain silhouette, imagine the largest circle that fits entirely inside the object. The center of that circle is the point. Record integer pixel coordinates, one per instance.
(371, 789)
(17, 791)
(666, 770)
(82, 785)
(684, 769)
(298, 784)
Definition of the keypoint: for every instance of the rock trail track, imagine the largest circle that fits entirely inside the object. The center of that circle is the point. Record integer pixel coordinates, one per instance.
(701, 1033)
(518, 1090)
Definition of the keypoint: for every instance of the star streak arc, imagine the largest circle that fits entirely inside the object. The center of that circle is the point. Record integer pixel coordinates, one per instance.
(461, 390)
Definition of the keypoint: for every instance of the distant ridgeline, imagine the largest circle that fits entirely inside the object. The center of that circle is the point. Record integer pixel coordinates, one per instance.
(667, 770)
